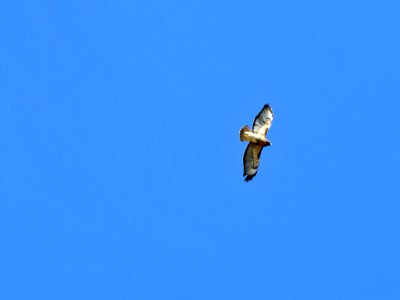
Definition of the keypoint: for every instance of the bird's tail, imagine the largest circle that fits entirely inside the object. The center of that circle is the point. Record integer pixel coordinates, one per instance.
(243, 136)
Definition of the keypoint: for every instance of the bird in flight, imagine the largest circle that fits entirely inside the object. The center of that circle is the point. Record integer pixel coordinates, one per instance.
(257, 138)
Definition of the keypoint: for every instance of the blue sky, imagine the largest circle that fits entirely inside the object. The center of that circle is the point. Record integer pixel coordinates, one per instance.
(121, 166)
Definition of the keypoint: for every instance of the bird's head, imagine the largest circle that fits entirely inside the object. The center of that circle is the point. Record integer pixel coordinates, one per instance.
(268, 143)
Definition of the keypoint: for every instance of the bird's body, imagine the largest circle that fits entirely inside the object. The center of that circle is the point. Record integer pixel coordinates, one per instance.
(257, 138)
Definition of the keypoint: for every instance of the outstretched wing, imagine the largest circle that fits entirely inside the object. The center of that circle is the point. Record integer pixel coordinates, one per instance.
(263, 120)
(251, 159)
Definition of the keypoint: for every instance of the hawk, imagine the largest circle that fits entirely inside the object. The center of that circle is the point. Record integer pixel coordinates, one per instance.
(257, 139)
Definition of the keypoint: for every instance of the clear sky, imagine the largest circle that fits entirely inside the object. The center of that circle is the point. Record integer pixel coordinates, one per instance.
(121, 165)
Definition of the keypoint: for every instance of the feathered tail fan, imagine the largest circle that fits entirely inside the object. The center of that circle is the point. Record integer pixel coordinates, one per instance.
(243, 136)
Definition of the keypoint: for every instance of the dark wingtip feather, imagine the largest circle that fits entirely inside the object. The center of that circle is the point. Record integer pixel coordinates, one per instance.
(249, 177)
(267, 106)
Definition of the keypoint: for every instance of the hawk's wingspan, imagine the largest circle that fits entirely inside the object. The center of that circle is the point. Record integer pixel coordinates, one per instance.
(251, 159)
(263, 120)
